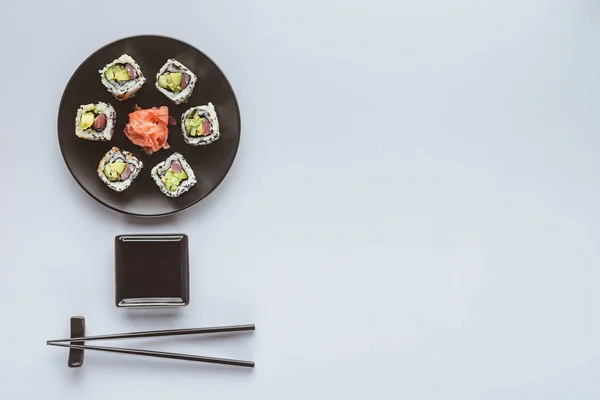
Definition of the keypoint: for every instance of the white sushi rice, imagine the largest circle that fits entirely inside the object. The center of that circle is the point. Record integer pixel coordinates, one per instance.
(173, 65)
(161, 169)
(90, 134)
(115, 154)
(211, 114)
(127, 89)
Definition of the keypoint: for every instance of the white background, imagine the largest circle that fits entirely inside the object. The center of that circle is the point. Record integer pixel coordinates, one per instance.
(413, 212)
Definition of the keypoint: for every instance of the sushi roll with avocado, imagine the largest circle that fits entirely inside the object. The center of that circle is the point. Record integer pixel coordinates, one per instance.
(118, 168)
(95, 121)
(174, 176)
(123, 77)
(200, 125)
(175, 81)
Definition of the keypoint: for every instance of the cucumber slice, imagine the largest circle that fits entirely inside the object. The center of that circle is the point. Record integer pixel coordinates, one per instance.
(188, 125)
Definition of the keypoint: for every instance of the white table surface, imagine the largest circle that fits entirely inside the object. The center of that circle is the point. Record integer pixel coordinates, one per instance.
(413, 212)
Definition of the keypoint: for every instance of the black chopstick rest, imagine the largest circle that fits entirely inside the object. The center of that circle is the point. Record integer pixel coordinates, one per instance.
(77, 331)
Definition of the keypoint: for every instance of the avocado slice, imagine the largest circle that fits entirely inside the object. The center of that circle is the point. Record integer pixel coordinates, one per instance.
(170, 81)
(168, 178)
(174, 183)
(113, 171)
(181, 175)
(122, 75)
(171, 180)
(193, 123)
(109, 74)
(162, 82)
(111, 174)
(87, 120)
(176, 78)
(193, 131)
(118, 166)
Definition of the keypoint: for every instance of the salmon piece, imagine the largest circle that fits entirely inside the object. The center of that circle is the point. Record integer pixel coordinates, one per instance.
(148, 128)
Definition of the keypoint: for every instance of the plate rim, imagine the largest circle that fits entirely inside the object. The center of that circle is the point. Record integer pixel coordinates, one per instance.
(133, 214)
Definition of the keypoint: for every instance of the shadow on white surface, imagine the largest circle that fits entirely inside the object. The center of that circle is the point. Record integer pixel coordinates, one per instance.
(120, 364)
(160, 316)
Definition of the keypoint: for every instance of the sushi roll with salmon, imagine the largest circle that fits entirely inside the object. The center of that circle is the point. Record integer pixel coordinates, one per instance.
(175, 81)
(200, 125)
(95, 121)
(122, 77)
(174, 176)
(118, 168)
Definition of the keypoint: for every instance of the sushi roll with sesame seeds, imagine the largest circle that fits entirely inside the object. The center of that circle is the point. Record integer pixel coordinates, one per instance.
(118, 169)
(200, 125)
(122, 77)
(174, 176)
(95, 121)
(176, 81)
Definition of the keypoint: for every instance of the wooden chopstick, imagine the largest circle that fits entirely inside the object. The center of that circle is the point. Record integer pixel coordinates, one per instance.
(158, 354)
(168, 332)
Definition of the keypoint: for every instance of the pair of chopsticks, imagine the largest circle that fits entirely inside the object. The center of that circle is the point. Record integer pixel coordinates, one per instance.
(159, 354)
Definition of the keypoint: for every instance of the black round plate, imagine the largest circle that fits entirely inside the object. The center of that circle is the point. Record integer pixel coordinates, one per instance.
(209, 162)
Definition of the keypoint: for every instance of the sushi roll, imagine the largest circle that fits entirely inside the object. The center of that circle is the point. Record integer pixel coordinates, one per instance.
(118, 168)
(175, 81)
(95, 121)
(200, 125)
(123, 77)
(174, 176)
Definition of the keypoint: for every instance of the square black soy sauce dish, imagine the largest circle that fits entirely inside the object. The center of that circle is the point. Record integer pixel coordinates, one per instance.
(151, 270)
